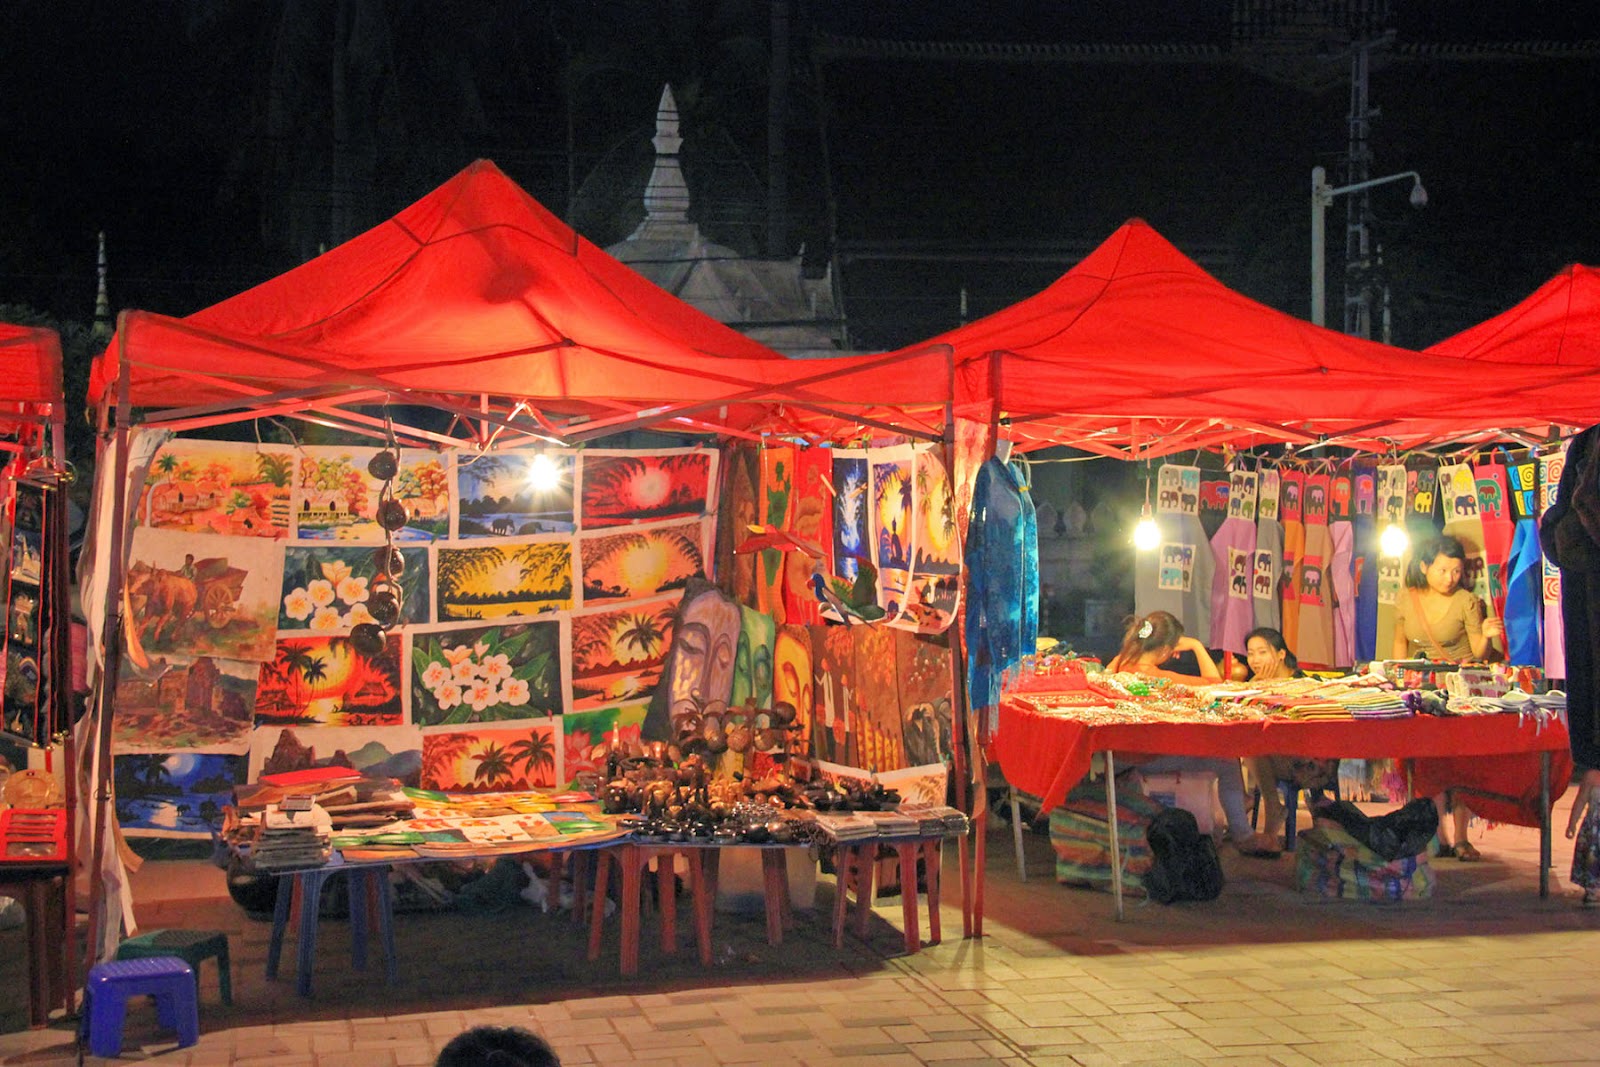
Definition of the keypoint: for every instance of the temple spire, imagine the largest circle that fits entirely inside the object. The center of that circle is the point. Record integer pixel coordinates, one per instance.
(102, 302)
(666, 195)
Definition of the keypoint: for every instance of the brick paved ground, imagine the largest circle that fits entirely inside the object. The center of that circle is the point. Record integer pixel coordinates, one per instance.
(1485, 973)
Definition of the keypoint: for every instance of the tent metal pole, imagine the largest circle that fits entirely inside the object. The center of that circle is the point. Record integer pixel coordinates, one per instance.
(111, 638)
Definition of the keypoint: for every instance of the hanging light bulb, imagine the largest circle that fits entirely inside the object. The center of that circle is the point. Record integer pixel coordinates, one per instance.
(544, 473)
(1394, 540)
(1146, 535)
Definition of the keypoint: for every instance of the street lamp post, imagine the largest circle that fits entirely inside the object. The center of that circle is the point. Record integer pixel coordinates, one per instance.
(1322, 195)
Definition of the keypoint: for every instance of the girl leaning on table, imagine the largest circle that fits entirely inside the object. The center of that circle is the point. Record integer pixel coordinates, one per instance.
(1269, 659)
(1150, 642)
(1436, 618)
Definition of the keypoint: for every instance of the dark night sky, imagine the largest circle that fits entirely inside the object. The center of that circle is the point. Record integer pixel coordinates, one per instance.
(198, 136)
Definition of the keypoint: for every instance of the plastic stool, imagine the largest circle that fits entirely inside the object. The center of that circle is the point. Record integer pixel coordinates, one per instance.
(190, 946)
(167, 978)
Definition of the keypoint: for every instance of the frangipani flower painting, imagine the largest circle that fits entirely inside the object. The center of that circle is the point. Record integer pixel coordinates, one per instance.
(324, 681)
(618, 654)
(326, 588)
(486, 674)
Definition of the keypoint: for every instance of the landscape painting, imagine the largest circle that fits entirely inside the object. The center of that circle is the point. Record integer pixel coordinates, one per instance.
(326, 587)
(376, 751)
(505, 580)
(642, 563)
(621, 490)
(618, 654)
(925, 672)
(486, 674)
(496, 758)
(176, 795)
(184, 702)
(587, 731)
(850, 536)
(509, 494)
(934, 592)
(336, 499)
(201, 595)
(324, 681)
(892, 524)
(220, 487)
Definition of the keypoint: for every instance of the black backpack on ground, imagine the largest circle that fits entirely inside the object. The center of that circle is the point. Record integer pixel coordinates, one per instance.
(1185, 864)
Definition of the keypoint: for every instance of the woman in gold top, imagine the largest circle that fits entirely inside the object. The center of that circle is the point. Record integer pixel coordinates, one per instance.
(1436, 618)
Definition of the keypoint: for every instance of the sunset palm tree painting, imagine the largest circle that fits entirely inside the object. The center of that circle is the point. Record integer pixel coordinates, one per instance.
(641, 563)
(619, 490)
(505, 580)
(491, 759)
(893, 524)
(221, 487)
(324, 681)
(486, 674)
(618, 654)
(934, 591)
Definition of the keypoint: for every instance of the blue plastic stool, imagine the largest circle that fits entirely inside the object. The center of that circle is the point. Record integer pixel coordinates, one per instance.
(166, 978)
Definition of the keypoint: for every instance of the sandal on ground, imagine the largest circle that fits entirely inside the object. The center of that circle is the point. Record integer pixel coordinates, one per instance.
(1445, 851)
(1466, 853)
(1591, 897)
(1259, 846)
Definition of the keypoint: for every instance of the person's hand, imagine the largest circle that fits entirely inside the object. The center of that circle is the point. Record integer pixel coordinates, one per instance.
(1187, 644)
(1494, 626)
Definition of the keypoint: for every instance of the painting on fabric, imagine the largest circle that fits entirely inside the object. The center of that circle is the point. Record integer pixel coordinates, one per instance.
(201, 595)
(752, 660)
(893, 525)
(810, 516)
(851, 542)
(833, 671)
(174, 795)
(641, 563)
(184, 702)
(376, 751)
(324, 681)
(590, 734)
(498, 758)
(776, 504)
(486, 674)
(326, 587)
(738, 514)
(926, 691)
(934, 593)
(504, 581)
(622, 490)
(510, 494)
(879, 741)
(219, 487)
(618, 654)
(793, 682)
(336, 498)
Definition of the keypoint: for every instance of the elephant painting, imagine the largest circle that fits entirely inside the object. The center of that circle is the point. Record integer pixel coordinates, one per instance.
(1341, 498)
(1311, 585)
(1489, 498)
(1316, 501)
(1291, 496)
(1169, 499)
(1189, 502)
(1467, 504)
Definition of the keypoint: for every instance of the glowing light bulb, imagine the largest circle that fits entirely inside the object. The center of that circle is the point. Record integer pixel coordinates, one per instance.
(543, 474)
(1393, 541)
(1146, 535)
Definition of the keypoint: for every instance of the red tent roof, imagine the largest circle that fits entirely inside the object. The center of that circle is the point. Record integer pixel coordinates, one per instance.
(475, 288)
(1138, 346)
(30, 365)
(1558, 324)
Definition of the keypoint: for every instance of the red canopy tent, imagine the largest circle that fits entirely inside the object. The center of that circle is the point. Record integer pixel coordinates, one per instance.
(1137, 352)
(1557, 325)
(477, 300)
(30, 380)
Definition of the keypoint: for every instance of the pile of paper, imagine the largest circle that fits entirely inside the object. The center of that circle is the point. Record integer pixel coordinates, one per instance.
(936, 819)
(289, 839)
(846, 826)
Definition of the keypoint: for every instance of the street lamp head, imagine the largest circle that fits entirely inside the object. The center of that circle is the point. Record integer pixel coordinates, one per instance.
(1419, 195)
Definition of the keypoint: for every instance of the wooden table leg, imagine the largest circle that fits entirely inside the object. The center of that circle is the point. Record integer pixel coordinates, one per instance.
(36, 908)
(597, 920)
(933, 860)
(908, 896)
(581, 867)
(667, 899)
(704, 901)
(843, 858)
(866, 869)
(775, 881)
(632, 864)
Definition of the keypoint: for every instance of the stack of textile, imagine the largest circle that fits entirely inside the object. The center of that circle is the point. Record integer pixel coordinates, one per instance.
(287, 839)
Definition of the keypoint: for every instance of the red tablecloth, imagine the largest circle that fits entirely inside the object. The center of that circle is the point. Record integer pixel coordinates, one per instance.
(1047, 755)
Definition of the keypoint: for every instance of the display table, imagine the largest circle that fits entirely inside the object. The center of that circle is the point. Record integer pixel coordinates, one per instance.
(1046, 753)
